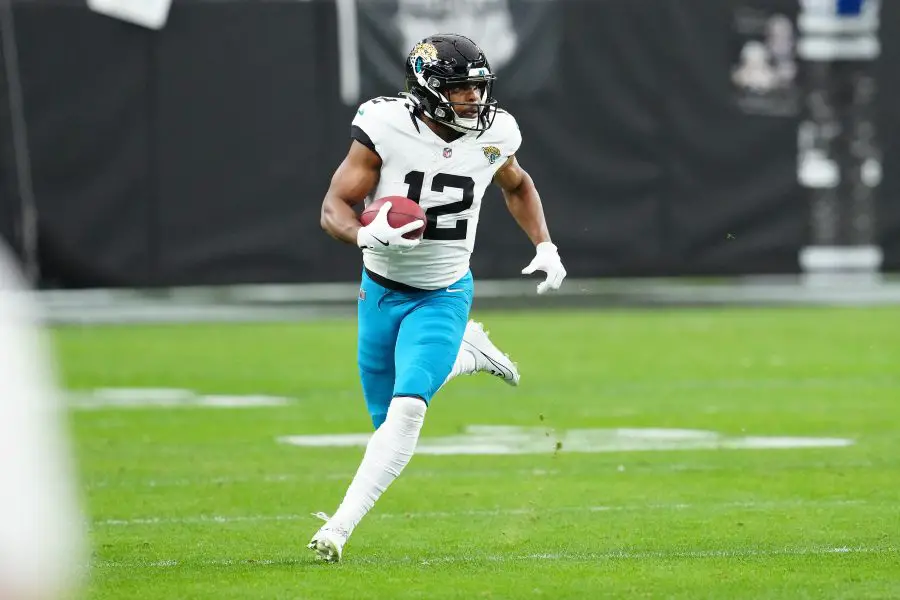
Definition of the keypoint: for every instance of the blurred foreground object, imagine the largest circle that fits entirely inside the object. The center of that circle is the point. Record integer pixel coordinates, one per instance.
(41, 530)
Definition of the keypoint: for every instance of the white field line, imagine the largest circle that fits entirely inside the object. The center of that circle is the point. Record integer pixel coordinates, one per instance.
(458, 474)
(288, 477)
(496, 512)
(575, 557)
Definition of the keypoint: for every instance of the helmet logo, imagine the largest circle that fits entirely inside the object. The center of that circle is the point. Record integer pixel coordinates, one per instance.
(423, 54)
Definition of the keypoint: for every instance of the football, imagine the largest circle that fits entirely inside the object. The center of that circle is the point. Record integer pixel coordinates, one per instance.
(403, 211)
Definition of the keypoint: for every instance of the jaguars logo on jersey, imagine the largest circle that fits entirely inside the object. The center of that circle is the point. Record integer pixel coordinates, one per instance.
(492, 153)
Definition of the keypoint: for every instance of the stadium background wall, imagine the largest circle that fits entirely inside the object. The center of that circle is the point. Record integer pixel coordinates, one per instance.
(199, 154)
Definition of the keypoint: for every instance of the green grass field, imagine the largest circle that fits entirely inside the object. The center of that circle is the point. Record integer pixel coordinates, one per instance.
(204, 502)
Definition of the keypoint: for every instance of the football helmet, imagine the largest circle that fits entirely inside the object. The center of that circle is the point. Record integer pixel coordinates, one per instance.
(442, 62)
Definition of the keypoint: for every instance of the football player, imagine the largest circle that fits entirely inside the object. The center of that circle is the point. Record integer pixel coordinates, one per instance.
(440, 144)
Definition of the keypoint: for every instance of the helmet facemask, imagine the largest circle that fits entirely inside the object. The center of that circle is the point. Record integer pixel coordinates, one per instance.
(447, 112)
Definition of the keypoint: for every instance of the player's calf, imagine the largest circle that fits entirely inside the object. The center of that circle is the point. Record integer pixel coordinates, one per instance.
(388, 452)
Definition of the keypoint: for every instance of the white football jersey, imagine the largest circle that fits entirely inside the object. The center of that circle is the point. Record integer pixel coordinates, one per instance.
(447, 179)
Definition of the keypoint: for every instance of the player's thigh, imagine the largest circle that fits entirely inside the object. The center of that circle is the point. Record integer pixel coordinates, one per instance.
(428, 342)
(378, 324)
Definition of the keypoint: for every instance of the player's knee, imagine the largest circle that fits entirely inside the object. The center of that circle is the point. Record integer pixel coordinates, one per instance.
(408, 412)
(418, 381)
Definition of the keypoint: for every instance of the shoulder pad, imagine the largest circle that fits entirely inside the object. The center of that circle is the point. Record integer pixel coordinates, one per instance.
(379, 117)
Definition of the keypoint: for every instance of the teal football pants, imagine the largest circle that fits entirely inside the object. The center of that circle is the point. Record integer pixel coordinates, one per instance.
(408, 340)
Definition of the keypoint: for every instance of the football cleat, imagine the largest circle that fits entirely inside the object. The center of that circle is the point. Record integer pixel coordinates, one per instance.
(488, 358)
(328, 543)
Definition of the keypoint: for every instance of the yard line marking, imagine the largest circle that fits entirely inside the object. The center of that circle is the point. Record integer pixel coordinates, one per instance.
(293, 477)
(538, 557)
(458, 473)
(499, 512)
(103, 399)
(516, 440)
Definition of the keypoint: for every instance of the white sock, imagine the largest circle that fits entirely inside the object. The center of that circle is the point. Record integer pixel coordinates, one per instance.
(464, 365)
(389, 450)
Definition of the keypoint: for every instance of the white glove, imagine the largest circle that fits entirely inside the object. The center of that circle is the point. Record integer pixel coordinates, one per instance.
(547, 260)
(379, 235)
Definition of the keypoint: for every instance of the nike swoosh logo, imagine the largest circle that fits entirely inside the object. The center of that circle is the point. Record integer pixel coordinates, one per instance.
(383, 243)
(452, 291)
(498, 369)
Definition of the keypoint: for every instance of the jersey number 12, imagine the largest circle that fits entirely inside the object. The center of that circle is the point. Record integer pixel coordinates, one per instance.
(415, 180)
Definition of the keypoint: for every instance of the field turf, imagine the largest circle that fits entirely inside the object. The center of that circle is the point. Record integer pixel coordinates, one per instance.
(198, 501)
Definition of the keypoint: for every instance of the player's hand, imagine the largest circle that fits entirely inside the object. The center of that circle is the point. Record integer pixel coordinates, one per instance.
(547, 260)
(381, 237)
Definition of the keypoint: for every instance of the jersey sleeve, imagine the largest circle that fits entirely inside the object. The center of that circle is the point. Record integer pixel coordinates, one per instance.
(502, 140)
(508, 133)
(371, 124)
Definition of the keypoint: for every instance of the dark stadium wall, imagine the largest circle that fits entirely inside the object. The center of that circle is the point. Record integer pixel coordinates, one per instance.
(888, 132)
(199, 154)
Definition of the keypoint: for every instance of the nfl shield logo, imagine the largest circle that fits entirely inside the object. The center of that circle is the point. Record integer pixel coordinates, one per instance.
(448, 152)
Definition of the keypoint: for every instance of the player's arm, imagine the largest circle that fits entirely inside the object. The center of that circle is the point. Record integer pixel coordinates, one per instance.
(354, 178)
(523, 200)
(524, 203)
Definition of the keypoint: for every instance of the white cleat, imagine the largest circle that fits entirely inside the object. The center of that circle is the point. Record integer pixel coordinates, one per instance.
(328, 543)
(488, 357)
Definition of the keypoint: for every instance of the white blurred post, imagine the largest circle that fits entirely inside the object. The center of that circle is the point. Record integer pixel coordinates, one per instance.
(43, 545)
(348, 51)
